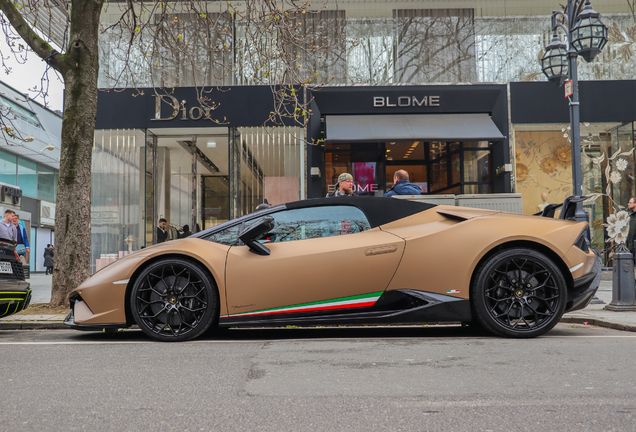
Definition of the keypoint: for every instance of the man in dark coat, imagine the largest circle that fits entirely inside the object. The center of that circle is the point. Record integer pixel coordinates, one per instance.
(48, 259)
(162, 234)
(402, 186)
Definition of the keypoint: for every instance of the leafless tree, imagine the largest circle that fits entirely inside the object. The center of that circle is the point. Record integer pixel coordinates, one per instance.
(159, 44)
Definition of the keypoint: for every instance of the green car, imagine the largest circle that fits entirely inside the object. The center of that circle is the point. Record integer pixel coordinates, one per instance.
(15, 292)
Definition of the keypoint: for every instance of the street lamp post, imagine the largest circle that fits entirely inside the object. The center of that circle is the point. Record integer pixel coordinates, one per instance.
(586, 36)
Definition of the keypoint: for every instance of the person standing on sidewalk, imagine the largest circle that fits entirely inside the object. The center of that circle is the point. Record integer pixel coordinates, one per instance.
(7, 229)
(162, 234)
(402, 185)
(48, 258)
(344, 187)
(23, 248)
(631, 208)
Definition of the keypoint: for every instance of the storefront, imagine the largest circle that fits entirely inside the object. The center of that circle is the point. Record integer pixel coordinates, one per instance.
(159, 156)
(542, 143)
(449, 138)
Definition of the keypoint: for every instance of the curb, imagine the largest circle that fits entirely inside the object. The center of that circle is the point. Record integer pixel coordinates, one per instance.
(615, 325)
(32, 325)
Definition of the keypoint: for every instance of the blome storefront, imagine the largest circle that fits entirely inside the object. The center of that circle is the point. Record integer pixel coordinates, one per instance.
(164, 154)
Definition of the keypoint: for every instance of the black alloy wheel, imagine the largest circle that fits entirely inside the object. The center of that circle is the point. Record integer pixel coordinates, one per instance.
(174, 300)
(518, 293)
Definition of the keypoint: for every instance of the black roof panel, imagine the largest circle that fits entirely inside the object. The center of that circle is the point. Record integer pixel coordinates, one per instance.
(379, 210)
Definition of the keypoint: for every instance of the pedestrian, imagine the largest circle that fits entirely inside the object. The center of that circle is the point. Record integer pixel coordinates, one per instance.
(7, 229)
(344, 187)
(629, 243)
(48, 258)
(263, 206)
(185, 231)
(162, 234)
(402, 186)
(23, 248)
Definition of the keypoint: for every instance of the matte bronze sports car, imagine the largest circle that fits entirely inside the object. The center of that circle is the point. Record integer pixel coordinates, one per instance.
(345, 261)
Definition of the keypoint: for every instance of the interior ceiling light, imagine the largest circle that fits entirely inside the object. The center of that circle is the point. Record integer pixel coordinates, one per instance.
(211, 144)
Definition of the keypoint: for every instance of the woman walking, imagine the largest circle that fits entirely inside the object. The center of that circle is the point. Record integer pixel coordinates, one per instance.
(48, 259)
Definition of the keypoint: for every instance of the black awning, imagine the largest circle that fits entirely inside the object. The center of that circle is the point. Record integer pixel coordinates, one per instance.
(406, 127)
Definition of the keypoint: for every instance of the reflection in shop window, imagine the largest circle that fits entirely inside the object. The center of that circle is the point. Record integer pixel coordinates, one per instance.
(318, 222)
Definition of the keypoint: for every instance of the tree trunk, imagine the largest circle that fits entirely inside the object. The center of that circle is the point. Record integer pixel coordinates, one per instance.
(79, 68)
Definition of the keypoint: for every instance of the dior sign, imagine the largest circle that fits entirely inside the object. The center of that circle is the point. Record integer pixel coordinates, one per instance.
(405, 101)
(180, 109)
(10, 195)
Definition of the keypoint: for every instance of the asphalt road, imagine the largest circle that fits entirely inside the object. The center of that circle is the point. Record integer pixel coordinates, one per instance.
(576, 378)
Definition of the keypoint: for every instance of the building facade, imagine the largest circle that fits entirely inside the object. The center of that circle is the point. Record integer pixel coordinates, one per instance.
(29, 164)
(451, 91)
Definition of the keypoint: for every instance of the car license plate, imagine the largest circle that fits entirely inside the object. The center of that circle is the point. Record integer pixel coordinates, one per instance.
(5, 267)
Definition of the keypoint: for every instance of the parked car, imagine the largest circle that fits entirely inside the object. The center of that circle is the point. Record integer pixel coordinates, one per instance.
(349, 261)
(15, 292)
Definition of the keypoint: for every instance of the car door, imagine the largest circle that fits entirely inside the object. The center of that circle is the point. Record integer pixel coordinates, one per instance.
(318, 254)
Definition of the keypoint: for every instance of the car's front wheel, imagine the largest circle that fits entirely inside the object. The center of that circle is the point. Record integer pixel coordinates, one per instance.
(174, 300)
(519, 293)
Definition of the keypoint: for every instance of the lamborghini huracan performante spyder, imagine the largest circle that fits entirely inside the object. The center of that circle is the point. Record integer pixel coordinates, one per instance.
(355, 260)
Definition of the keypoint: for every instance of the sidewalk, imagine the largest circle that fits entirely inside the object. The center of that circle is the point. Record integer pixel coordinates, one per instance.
(592, 315)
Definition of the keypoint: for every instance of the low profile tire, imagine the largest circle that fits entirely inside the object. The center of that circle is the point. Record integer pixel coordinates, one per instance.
(174, 300)
(518, 293)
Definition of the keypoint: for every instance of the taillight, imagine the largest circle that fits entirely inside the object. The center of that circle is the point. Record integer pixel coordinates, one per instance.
(17, 257)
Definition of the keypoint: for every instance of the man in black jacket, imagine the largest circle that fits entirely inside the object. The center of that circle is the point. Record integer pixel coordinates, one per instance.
(402, 186)
(162, 234)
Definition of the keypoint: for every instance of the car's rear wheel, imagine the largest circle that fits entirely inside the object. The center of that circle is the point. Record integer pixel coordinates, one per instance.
(518, 293)
(174, 299)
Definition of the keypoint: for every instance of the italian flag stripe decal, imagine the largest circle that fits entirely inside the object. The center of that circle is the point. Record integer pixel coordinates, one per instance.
(364, 300)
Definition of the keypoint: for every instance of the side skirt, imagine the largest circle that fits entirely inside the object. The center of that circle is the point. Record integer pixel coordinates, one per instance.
(401, 306)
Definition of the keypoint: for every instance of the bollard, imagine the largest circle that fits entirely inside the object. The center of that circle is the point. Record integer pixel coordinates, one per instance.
(623, 290)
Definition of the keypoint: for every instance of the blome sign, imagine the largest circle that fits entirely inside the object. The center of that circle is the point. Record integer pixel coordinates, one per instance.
(405, 101)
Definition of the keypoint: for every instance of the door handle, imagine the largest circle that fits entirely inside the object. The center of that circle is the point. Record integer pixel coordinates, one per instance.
(381, 250)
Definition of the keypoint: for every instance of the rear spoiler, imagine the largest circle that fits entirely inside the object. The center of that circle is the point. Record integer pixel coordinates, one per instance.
(569, 209)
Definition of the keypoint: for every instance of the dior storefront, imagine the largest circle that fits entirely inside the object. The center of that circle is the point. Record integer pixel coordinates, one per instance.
(164, 157)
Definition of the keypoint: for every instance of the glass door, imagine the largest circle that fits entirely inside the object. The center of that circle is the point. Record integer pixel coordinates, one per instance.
(215, 200)
(364, 161)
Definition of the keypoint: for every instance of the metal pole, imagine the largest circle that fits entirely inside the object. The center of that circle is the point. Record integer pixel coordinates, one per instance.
(575, 121)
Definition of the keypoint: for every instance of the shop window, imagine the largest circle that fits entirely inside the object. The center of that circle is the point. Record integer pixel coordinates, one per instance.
(272, 160)
(117, 194)
(476, 166)
(456, 173)
(28, 177)
(47, 183)
(8, 168)
(543, 168)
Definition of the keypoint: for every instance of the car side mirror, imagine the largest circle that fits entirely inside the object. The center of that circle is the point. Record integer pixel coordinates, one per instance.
(249, 235)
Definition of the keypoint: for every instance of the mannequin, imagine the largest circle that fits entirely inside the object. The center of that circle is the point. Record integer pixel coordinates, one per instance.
(544, 198)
